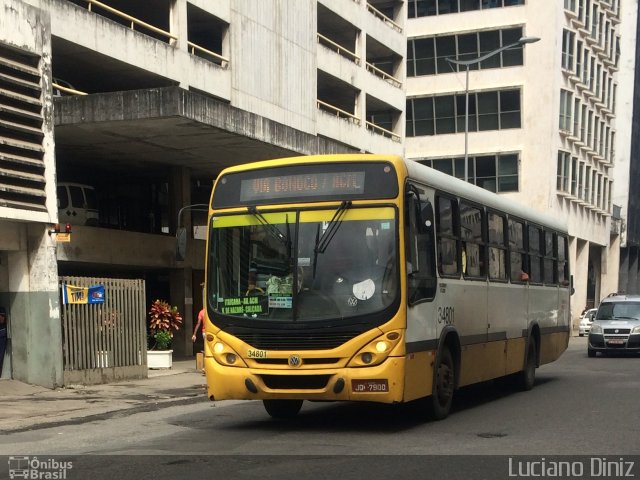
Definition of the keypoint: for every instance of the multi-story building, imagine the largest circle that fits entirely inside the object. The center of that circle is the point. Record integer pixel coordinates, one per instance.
(143, 104)
(542, 117)
(626, 214)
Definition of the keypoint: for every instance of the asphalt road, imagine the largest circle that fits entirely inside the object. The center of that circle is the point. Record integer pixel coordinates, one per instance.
(579, 406)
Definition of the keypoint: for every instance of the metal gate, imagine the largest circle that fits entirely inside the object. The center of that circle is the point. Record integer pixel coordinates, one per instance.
(103, 342)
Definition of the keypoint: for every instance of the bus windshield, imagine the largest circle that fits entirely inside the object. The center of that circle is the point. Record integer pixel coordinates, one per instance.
(303, 265)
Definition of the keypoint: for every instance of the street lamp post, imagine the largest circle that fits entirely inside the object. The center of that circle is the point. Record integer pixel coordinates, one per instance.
(467, 64)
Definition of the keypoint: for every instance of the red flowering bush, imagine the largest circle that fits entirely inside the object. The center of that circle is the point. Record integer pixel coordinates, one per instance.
(163, 321)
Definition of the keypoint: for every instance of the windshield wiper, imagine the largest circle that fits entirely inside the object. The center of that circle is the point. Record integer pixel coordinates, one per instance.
(273, 231)
(322, 241)
(334, 224)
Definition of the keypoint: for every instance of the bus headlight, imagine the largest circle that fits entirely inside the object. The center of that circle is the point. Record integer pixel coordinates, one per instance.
(376, 351)
(224, 355)
(367, 358)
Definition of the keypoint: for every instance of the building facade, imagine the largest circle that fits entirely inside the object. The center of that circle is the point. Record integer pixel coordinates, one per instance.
(627, 172)
(141, 106)
(543, 118)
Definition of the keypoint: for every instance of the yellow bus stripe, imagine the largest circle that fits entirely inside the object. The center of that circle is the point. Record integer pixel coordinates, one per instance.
(280, 218)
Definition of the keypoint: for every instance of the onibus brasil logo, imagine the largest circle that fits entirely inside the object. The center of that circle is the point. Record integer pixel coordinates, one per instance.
(38, 469)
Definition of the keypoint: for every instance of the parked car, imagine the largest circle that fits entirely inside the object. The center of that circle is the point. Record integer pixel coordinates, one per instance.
(77, 204)
(616, 327)
(586, 321)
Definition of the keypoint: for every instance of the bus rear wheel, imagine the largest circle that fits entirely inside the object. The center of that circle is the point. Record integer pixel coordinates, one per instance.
(443, 386)
(527, 377)
(282, 408)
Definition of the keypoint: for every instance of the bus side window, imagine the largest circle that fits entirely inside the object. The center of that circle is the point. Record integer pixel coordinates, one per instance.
(550, 262)
(519, 269)
(563, 264)
(473, 249)
(536, 264)
(447, 239)
(421, 278)
(497, 247)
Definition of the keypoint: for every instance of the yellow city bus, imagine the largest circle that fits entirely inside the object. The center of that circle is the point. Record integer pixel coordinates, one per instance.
(374, 278)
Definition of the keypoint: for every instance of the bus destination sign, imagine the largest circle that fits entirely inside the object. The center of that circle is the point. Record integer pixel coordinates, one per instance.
(304, 185)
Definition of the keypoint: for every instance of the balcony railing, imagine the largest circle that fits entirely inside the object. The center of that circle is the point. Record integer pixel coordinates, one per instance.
(168, 37)
(383, 131)
(217, 58)
(384, 18)
(338, 48)
(70, 91)
(384, 75)
(327, 107)
(133, 22)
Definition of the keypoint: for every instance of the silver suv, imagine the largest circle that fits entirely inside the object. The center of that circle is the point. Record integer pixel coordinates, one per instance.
(616, 327)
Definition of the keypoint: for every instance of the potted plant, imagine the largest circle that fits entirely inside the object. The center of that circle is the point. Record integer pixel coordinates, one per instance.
(164, 320)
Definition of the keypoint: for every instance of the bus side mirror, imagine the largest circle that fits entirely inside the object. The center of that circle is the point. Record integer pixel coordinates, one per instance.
(181, 244)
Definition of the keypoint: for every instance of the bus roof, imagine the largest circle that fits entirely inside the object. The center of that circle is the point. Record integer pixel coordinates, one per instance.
(424, 174)
(468, 191)
(343, 157)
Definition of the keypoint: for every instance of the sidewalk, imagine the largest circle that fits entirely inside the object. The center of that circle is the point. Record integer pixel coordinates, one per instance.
(28, 407)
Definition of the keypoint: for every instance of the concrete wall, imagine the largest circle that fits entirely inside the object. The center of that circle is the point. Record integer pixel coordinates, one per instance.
(29, 292)
(274, 60)
(102, 246)
(28, 271)
(28, 29)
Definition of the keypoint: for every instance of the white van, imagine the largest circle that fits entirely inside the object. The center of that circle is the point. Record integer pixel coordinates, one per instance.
(616, 327)
(77, 204)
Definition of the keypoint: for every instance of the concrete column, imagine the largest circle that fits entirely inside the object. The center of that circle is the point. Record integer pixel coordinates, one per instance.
(181, 295)
(34, 309)
(623, 273)
(180, 196)
(610, 267)
(181, 279)
(179, 26)
(178, 23)
(580, 272)
(634, 271)
(361, 100)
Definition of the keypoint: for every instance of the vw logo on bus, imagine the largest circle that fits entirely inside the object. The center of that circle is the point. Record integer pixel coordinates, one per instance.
(295, 360)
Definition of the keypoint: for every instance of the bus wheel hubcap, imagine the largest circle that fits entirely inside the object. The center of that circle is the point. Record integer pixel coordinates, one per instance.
(445, 383)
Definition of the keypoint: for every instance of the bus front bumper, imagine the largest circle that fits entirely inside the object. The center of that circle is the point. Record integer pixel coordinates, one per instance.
(383, 383)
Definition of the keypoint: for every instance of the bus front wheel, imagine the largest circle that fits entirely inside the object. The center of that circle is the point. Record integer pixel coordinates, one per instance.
(443, 385)
(282, 408)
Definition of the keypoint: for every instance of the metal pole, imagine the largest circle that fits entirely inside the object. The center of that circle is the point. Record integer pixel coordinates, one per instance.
(466, 127)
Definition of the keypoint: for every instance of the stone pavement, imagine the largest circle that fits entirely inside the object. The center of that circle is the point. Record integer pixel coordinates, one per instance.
(28, 407)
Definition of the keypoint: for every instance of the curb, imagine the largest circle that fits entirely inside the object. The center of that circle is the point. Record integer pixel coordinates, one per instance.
(118, 412)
